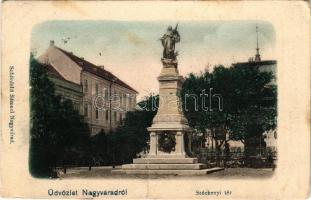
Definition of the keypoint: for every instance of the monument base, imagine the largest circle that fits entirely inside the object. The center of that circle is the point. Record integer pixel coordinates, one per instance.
(167, 172)
(170, 134)
(165, 166)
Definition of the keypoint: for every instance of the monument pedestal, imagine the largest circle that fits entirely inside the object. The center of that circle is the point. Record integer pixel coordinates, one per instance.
(170, 135)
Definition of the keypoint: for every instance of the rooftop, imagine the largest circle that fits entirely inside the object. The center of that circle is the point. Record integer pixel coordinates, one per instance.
(255, 63)
(83, 64)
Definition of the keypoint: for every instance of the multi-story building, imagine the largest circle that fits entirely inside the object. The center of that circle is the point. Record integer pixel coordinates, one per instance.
(96, 93)
(270, 137)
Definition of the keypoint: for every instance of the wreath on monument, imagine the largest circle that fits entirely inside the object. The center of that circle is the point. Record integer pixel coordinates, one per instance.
(167, 142)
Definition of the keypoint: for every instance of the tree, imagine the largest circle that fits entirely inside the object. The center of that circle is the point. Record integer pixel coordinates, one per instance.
(58, 134)
(72, 135)
(132, 137)
(99, 149)
(43, 104)
(248, 104)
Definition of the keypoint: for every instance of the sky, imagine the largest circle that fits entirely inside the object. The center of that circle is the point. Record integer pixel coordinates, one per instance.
(132, 50)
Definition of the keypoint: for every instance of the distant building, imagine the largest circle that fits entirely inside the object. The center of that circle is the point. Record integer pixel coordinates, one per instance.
(270, 137)
(263, 65)
(88, 85)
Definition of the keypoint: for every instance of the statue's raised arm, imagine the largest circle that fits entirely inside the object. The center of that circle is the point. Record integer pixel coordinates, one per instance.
(168, 41)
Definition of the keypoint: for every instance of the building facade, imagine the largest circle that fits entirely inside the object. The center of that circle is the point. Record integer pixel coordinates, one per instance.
(96, 93)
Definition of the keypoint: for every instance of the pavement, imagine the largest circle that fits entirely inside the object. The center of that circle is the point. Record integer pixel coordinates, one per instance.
(105, 172)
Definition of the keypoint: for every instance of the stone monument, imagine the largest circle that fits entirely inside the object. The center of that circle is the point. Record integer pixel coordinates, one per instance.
(170, 135)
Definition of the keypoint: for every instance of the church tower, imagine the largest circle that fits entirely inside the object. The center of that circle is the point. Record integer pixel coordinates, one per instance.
(257, 56)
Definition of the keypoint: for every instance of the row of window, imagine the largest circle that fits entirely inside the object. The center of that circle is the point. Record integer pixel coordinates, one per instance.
(106, 114)
(114, 95)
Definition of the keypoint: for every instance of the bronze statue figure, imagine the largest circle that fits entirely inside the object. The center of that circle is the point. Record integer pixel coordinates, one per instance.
(168, 41)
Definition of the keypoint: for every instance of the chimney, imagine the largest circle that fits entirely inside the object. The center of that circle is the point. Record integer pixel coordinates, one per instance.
(101, 66)
(52, 43)
(82, 58)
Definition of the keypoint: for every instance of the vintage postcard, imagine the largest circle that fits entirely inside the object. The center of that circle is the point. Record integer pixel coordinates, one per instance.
(155, 100)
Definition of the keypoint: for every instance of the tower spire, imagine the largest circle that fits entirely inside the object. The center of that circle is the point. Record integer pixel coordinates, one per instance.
(257, 56)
